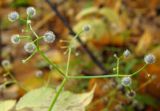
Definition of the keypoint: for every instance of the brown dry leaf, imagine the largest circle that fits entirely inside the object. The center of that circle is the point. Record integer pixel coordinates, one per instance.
(144, 43)
(154, 87)
(156, 52)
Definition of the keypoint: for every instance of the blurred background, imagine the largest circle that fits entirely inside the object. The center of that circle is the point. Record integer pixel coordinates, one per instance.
(116, 25)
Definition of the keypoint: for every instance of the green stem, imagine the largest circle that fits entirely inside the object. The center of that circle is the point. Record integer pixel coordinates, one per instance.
(25, 37)
(106, 76)
(100, 76)
(29, 57)
(117, 67)
(57, 94)
(63, 82)
(68, 61)
(50, 62)
(42, 53)
(138, 70)
(35, 34)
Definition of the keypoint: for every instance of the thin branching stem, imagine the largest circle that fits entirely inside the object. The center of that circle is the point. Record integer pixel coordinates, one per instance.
(84, 45)
(57, 94)
(100, 76)
(63, 82)
(139, 70)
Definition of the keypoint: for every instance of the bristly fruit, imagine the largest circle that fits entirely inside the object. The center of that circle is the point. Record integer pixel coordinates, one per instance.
(15, 39)
(5, 63)
(31, 11)
(49, 37)
(126, 53)
(13, 16)
(126, 81)
(86, 28)
(149, 59)
(131, 94)
(39, 73)
(29, 47)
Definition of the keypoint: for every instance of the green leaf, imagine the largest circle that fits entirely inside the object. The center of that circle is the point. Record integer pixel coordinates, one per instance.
(40, 99)
(7, 105)
(146, 99)
(20, 3)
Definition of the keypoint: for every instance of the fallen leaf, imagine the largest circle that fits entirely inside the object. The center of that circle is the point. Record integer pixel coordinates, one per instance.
(7, 105)
(40, 99)
(144, 43)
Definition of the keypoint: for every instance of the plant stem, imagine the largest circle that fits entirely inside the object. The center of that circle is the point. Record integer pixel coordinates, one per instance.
(50, 62)
(57, 94)
(68, 61)
(106, 76)
(85, 46)
(29, 57)
(35, 34)
(100, 76)
(117, 66)
(42, 53)
(138, 70)
(63, 82)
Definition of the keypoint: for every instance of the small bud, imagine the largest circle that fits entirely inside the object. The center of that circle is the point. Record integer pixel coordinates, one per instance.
(31, 11)
(126, 53)
(86, 28)
(29, 47)
(6, 63)
(115, 55)
(149, 59)
(13, 16)
(15, 39)
(49, 37)
(39, 73)
(126, 81)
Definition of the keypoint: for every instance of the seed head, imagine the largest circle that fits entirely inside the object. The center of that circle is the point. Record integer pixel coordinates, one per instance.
(131, 94)
(86, 28)
(29, 47)
(6, 64)
(149, 59)
(49, 37)
(39, 73)
(126, 53)
(15, 39)
(31, 11)
(126, 81)
(13, 16)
